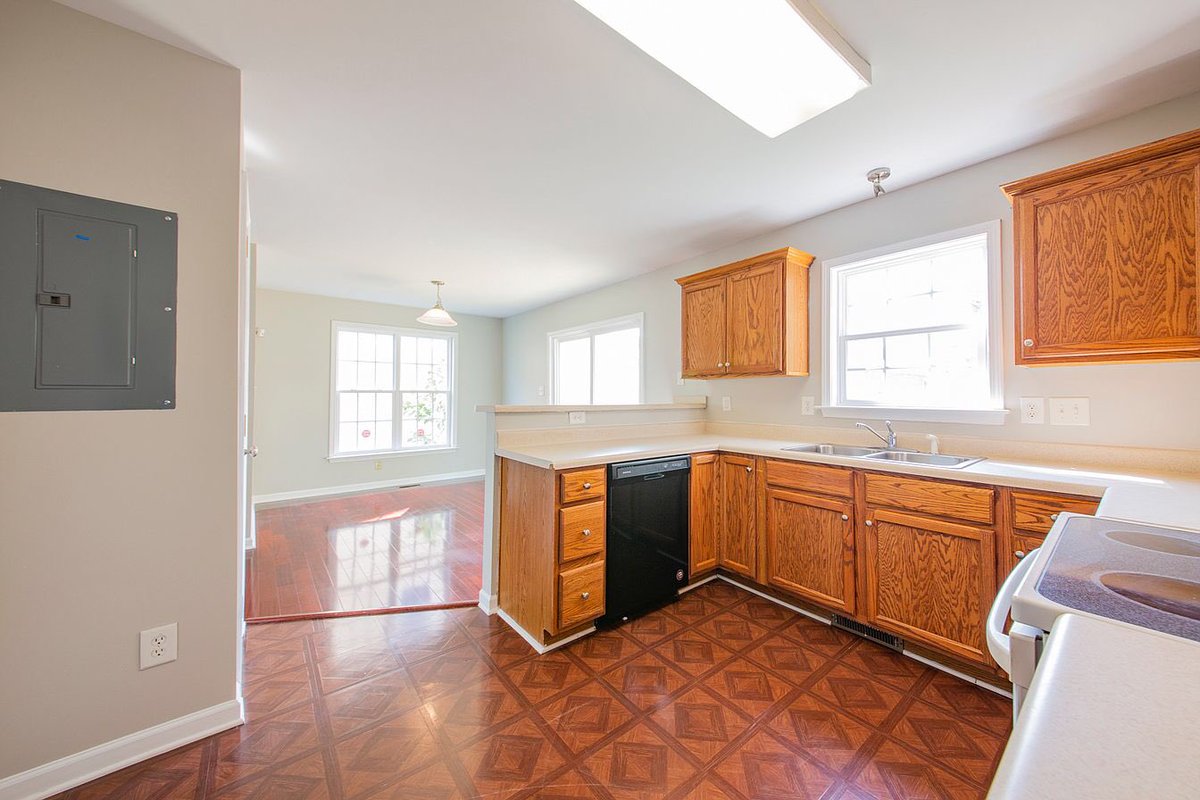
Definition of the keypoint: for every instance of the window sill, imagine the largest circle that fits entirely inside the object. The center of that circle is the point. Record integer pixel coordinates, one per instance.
(386, 454)
(970, 416)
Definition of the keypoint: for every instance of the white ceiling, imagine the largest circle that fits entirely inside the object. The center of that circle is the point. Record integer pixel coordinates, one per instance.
(523, 152)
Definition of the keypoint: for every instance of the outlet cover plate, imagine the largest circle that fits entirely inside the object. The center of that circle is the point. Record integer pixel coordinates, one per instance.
(808, 405)
(1033, 410)
(158, 646)
(576, 417)
(1069, 411)
(726, 404)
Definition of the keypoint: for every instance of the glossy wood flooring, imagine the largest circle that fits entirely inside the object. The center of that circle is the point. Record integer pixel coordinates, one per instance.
(722, 696)
(418, 546)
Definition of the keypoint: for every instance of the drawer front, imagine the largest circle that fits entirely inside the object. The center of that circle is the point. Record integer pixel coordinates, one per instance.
(581, 484)
(938, 498)
(1024, 545)
(580, 530)
(810, 478)
(1036, 512)
(580, 594)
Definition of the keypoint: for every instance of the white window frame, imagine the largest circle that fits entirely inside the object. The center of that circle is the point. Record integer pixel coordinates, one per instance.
(834, 406)
(451, 406)
(590, 331)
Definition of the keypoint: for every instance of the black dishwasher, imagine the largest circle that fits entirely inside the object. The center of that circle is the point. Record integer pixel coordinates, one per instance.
(647, 536)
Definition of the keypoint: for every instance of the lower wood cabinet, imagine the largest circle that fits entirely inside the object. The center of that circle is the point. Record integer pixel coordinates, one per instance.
(739, 514)
(580, 594)
(810, 547)
(704, 515)
(930, 581)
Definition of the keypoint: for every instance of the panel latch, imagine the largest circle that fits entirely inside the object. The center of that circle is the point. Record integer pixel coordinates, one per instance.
(54, 300)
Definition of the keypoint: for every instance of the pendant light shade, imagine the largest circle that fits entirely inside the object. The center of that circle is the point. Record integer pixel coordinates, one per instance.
(437, 316)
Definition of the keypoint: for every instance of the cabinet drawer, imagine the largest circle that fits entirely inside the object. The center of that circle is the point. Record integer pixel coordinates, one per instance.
(1023, 545)
(580, 594)
(939, 498)
(810, 477)
(1036, 512)
(580, 530)
(581, 484)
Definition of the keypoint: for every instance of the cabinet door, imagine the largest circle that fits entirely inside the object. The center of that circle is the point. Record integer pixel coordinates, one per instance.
(1107, 265)
(704, 328)
(703, 516)
(810, 547)
(755, 329)
(930, 581)
(738, 548)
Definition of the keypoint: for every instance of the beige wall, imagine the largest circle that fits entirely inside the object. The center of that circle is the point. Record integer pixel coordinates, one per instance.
(1147, 405)
(291, 399)
(112, 522)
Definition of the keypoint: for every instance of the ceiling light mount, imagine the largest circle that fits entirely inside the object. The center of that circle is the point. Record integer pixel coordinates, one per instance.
(877, 176)
(437, 316)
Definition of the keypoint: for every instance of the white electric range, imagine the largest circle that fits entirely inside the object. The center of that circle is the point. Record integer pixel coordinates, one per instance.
(1142, 575)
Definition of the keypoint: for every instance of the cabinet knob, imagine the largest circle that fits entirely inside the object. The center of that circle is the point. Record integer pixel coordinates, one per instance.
(1028, 342)
(587, 531)
(727, 363)
(749, 469)
(719, 365)
(869, 523)
(1054, 515)
(587, 484)
(1019, 554)
(586, 595)
(845, 517)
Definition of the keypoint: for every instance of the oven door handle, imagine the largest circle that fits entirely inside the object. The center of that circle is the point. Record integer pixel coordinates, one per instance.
(999, 643)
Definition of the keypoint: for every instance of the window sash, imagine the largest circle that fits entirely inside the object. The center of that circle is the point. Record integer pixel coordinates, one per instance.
(633, 322)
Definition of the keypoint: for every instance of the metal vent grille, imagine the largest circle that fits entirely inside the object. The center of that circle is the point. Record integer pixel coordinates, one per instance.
(867, 632)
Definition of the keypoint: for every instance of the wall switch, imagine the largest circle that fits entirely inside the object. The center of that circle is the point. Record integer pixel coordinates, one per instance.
(577, 417)
(808, 405)
(1069, 411)
(541, 391)
(1033, 410)
(726, 404)
(158, 646)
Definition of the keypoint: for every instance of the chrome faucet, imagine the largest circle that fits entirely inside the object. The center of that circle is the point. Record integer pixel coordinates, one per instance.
(889, 440)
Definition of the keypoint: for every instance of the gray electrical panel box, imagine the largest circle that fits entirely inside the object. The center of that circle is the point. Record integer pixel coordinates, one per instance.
(87, 302)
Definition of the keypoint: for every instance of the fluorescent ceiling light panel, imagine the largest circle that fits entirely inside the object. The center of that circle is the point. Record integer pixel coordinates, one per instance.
(773, 63)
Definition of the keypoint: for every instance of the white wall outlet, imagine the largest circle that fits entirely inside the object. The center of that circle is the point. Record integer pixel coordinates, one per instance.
(1069, 411)
(577, 417)
(541, 391)
(158, 646)
(808, 405)
(726, 404)
(378, 465)
(1033, 410)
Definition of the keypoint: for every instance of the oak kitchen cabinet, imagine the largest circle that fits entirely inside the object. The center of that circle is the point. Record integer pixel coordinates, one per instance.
(1107, 257)
(747, 318)
(704, 514)
(739, 515)
(1031, 515)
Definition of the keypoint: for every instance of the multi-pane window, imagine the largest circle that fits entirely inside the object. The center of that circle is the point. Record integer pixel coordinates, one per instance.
(598, 364)
(393, 390)
(911, 327)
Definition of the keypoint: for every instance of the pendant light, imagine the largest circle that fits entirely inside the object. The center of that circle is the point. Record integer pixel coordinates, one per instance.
(437, 315)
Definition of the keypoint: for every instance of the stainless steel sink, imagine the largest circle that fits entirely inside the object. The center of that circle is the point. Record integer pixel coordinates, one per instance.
(927, 459)
(834, 450)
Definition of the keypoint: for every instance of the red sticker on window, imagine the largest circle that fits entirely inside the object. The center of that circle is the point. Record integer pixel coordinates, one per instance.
(366, 434)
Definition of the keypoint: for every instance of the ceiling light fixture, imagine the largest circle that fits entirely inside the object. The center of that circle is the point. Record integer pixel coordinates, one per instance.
(437, 315)
(773, 63)
(877, 176)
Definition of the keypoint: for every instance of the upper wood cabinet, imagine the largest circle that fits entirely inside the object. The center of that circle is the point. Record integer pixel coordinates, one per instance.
(747, 318)
(1107, 257)
(739, 513)
(703, 515)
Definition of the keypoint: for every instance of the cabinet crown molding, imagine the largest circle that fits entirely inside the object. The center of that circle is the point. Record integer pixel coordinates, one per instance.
(791, 255)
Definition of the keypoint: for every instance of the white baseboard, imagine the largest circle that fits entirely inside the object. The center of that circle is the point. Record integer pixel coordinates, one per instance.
(74, 770)
(540, 648)
(488, 603)
(351, 488)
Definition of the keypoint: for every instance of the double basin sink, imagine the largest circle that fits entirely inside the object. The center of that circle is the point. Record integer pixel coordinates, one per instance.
(885, 454)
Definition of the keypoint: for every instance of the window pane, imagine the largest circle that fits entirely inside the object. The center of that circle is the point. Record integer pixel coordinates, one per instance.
(864, 353)
(383, 347)
(574, 373)
(383, 406)
(346, 441)
(366, 375)
(617, 367)
(347, 375)
(383, 376)
(408, 349)
(347, 407)
(347, 345)
(366, 347)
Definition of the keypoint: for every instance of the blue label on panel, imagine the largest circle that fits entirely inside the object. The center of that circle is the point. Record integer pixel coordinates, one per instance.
(84, 238)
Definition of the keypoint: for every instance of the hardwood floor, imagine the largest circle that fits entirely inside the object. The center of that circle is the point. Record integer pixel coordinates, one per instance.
(721, 696)
(420, 546)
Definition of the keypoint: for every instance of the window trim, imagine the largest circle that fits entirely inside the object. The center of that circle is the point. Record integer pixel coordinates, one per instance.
(994, 414)
(590, 330)
(452, 391)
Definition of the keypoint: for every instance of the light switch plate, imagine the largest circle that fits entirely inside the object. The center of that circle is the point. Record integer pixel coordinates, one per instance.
(1033, 410)
(577, 417)
(808, 405)
(1069, 411)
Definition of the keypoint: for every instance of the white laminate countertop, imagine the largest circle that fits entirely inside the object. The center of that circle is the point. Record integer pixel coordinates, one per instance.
(1170, 500)
(1113, 713)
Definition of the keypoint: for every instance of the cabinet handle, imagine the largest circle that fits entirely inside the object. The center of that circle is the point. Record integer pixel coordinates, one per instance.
(586, 595)
(845, 517)
(1019, 554)
(869, 523)
(587, 485)
(587, 531)
(1054, 516)
(1028, 342)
